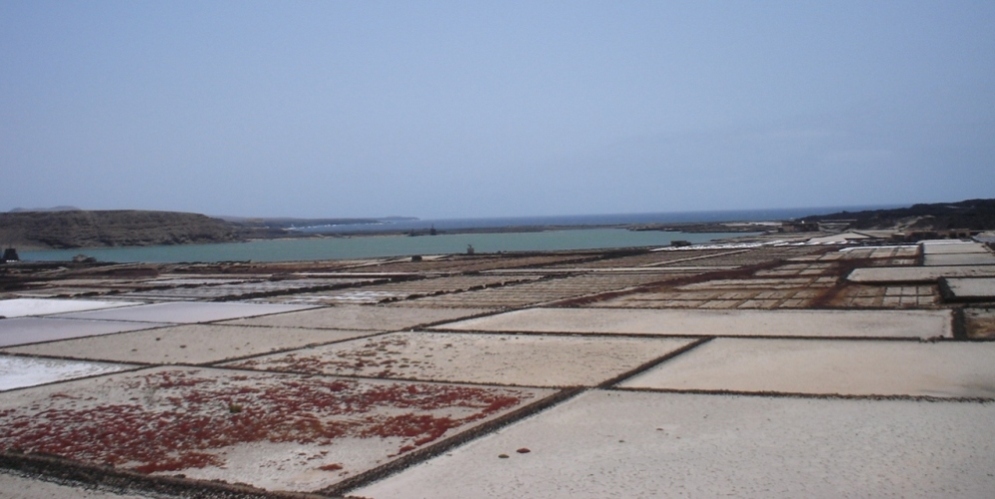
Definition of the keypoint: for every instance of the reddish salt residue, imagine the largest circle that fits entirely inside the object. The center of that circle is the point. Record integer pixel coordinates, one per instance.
(178, 418)
(384, 353)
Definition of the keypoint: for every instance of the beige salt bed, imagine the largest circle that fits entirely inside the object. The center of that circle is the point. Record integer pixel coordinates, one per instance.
(829, 367)
(20, 307)
(186, 312)
(361, 317)
(27, 330)
(959, 259)
(612, 444)
(527, 360)
(919, 275)
(190, 344)
(176, 415)
(807, 323)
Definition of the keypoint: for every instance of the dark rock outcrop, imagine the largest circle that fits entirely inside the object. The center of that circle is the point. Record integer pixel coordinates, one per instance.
(86, 229)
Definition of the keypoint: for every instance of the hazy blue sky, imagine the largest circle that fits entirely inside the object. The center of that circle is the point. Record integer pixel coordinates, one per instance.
(496, 108)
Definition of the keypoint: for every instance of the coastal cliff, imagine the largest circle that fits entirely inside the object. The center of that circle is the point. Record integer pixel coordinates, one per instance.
(85, 229)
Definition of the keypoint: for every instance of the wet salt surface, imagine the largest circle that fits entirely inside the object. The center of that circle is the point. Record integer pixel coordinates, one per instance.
(808, 323)
(187, 312)
(190, 344)
(947, 369)
(20, 372)
(279, 432)
(626, 444)
(20, 307)
(528, 360)
(27, 330)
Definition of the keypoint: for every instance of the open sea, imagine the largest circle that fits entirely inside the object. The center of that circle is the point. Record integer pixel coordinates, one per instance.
(349, 241)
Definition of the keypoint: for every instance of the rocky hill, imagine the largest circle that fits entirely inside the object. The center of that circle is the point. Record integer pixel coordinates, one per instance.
(84, 229)
(973, 214)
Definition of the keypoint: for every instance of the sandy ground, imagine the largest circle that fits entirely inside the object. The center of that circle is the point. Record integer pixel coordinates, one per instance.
(945, 369)
(279, 432)
(20, 372)
(186, 312)
(361, 317)
(527, 360)
(20, 307)
(644, 445)
(26, 330)
(807, 323)
(190, 344)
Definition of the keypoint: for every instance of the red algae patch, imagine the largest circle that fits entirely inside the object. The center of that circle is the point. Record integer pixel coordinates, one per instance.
(272, 431)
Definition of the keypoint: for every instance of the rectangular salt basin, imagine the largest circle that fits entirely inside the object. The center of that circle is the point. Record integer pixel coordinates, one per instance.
(917, 275)
(829, 367)
(940, 247)
(188, 312)
(39, 488)
(189, 344)
(26, 330)
(959, 259)
(362, 317)
(617, 444)
(524, 360)
(273, 431)
(20, 372)
(796, 323)
(970, 289)
(21, 307)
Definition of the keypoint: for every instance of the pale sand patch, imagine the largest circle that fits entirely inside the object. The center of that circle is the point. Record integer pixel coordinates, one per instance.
(191, 344)
(187, 312)
(279, 432)
(26, 330)
(20, 307)
(20, 372)
(528, 360)
(808, 323)
(829, 367)
(611, 444)
(361, 317)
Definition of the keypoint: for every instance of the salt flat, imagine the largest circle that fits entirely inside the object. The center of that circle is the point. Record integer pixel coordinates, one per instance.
(612, 444)
(20, 372)
(529, 360)
(361, 317)
(275, 431)
(187, 312)
(20, 307)
(944, 369)
(807, 323)
(189, 344)
(26, 330)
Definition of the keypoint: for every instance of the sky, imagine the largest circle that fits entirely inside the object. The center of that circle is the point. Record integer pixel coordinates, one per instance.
(473, 108)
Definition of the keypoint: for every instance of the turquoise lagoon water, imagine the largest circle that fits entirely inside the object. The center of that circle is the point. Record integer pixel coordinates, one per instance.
(328, 248)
